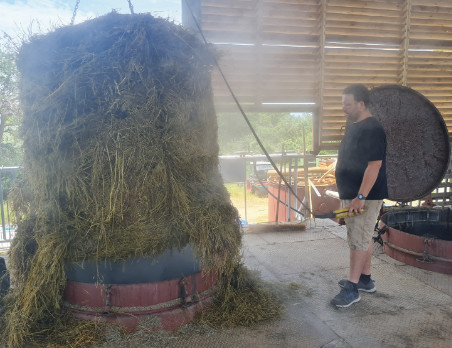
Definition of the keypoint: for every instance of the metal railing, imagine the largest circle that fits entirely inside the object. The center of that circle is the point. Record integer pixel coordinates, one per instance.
(236, 169)
(8, 221)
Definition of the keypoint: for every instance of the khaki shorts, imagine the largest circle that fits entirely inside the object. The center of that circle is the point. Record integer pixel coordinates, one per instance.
(360, 228)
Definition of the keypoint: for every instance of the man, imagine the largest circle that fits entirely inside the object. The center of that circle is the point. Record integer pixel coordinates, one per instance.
(361, 182)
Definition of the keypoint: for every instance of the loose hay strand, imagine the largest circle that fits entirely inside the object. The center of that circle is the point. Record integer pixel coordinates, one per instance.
(245, 300)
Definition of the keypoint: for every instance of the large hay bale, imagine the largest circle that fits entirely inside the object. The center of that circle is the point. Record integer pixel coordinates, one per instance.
(121, 157)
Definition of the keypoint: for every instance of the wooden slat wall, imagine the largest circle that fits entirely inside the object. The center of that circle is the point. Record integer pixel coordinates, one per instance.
(362, 46)
(307, 51)
(270, 52)
(429, 68)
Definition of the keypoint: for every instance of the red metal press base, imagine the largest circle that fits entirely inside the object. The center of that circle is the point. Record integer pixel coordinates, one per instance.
(169, 320)
(410, 249)
(172, 303)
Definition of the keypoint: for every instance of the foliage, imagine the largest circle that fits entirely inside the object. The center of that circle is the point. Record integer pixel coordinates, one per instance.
(10, 113)
(275, 130)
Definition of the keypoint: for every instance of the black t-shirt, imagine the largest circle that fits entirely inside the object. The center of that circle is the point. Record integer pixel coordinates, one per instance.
(363, 142)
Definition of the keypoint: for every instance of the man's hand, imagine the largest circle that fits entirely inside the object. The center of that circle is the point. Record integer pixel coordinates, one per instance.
(369, 178)
(355, 206)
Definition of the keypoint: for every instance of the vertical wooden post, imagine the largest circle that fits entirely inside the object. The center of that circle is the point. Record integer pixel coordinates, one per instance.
(318, 113)
(279, 186)
(189, 6)
(406, 42)
(1, 208)
(307, 196)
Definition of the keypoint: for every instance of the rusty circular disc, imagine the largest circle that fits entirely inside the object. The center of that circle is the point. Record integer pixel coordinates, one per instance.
(418, 147)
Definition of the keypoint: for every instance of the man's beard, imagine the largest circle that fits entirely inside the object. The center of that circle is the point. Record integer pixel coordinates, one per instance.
(352, 117)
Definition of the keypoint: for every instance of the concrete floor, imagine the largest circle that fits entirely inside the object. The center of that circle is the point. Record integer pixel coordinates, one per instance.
(411, 308)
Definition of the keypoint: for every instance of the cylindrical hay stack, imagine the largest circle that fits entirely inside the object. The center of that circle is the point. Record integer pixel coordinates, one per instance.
(121, 158)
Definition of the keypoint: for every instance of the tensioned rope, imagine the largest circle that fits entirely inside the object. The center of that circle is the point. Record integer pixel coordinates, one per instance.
(131, 7)
(77, 2)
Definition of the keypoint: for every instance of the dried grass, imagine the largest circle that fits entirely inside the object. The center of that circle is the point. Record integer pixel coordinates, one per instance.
(121, 160)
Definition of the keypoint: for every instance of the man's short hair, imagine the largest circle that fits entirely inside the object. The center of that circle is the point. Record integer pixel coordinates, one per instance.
(359, 92)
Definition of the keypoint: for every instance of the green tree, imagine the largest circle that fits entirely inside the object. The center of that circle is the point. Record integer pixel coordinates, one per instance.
(275, 130)
(10, 113)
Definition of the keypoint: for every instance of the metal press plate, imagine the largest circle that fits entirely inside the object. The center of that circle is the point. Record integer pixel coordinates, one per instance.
(418, 142)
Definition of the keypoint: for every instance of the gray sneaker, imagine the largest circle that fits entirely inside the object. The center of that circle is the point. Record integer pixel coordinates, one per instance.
(346, 297)
(369, 287)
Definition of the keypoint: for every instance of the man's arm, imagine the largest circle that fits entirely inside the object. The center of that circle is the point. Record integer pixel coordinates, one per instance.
(369, 178)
